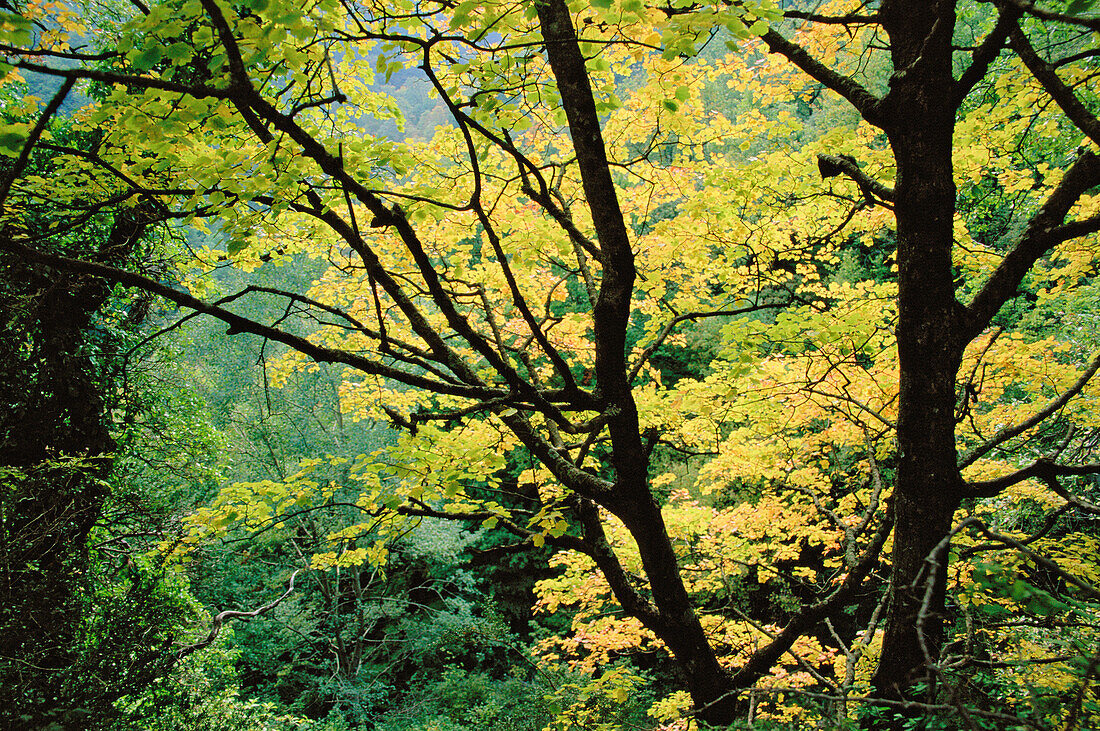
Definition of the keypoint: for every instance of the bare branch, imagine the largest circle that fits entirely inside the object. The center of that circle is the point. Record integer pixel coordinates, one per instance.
(1045, 562)
(223, 617)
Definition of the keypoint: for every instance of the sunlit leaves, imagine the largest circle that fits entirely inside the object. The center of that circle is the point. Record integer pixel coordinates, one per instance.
(462, 273)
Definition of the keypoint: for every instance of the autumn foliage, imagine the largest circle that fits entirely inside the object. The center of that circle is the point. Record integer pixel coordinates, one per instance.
(775, 323)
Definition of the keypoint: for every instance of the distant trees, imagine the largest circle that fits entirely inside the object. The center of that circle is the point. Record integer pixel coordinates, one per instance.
(501, 293)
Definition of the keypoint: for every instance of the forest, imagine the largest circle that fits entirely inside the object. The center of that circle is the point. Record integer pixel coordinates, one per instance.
(548, 365)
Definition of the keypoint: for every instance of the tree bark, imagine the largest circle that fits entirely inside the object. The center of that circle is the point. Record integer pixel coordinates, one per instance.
(675, 620)
(920, 123)
(54, 437)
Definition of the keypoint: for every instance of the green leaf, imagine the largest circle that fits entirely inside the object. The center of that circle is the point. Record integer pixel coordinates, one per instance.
(12, 139)
(18, 30)
(179, 53)
(1020, 591)
(147, 58)
(462, 13)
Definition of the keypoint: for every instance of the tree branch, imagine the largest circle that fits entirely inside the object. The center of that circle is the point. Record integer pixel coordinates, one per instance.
(1044, 73)
(1028, 6)
(1042, 233)
(612, 306)
(601, 552)
(985, 54)
(1045, 470)
(846, 20)
(866, 103)
(32, 139)
(228, 615)
(763, 659)
(832, 165)
(1035, 419)
(237, 323)
(670, 327)
(1088, 588)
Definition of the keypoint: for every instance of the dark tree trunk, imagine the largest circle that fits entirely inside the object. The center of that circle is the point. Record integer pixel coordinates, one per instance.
(920, 123)
(671, 615)
(56, 444)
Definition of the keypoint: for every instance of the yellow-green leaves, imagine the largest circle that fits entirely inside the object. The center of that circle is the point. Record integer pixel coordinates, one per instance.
(16, 29)
(13, 137)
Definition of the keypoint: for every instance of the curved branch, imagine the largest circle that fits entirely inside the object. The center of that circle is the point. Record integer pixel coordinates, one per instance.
(1063, 96)
(832, 165)
(763, 659)
(670, 326)
(223, 617)
(1045, 470)
(1035, 419)
(866, 103)
(1045, 230)
(237, 323)
(985, 54)
(238, 74)
(1028, 6)
(600, 551)
(32, 139)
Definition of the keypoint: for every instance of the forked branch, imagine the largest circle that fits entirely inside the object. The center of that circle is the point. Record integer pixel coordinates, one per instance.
(228, 615)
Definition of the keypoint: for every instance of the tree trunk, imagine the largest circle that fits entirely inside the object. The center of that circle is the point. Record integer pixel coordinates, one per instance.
(920, 125)
(671, 616)
(677, 622)
(54, 437)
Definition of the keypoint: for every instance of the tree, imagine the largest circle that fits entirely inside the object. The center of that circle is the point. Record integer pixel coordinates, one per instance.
(508, 284)
(92, 626)
(55, 449)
